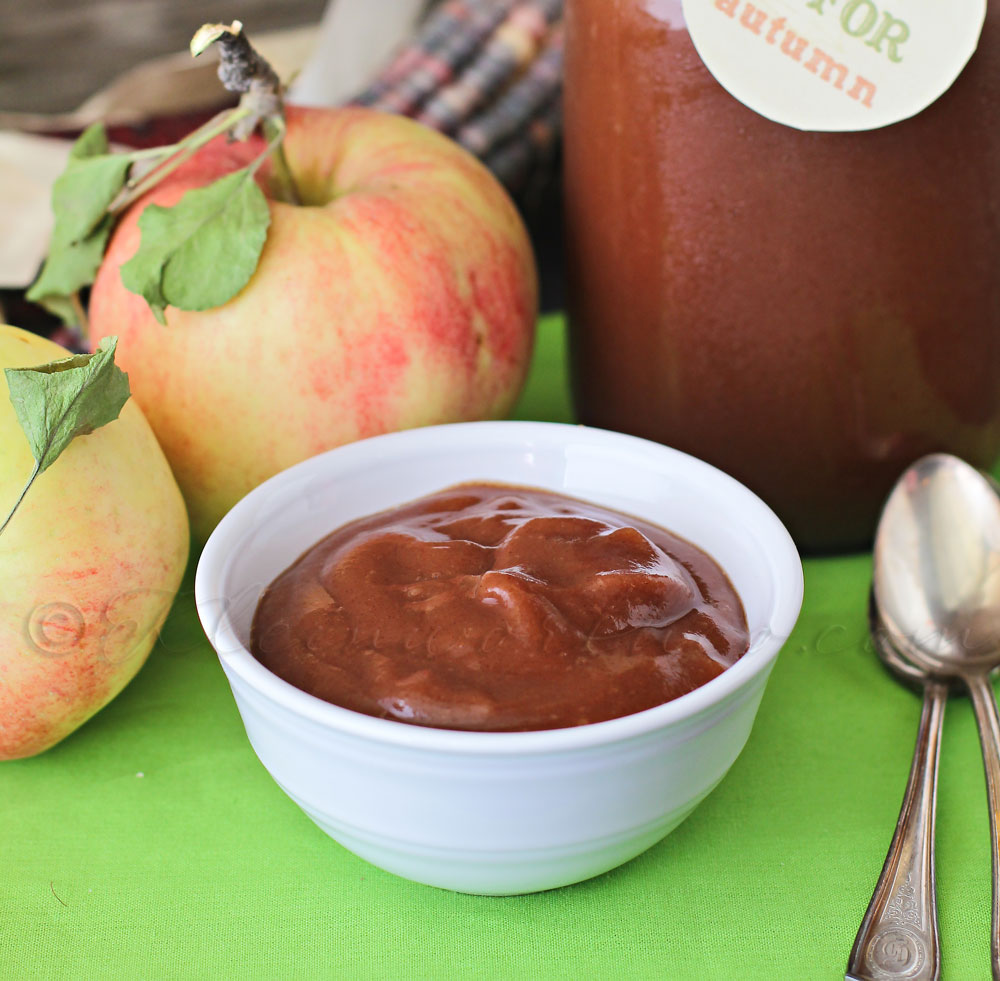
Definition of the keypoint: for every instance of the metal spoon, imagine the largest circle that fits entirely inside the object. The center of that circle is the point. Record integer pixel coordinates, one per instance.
(898, 937)
(937, 586)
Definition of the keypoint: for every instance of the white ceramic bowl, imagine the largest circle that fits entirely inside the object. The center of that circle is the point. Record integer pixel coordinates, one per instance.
(498, 813)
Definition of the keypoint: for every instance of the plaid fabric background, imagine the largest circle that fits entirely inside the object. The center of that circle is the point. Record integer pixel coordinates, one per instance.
(488, 73)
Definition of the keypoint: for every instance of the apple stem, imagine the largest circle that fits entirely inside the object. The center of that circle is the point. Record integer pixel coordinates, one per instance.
(17, 503)
(285, 187)
(83, 324)
(243, 69)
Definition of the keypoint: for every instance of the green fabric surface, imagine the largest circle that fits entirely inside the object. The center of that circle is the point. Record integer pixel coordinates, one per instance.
(152, 844)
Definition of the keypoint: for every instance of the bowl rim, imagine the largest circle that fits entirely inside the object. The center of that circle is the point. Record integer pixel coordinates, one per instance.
(781, 556)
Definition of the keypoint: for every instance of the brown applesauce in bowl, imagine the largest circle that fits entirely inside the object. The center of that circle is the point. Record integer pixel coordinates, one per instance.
(498, 608)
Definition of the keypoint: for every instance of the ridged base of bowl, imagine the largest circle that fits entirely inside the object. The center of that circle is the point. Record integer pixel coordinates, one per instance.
(500, 874)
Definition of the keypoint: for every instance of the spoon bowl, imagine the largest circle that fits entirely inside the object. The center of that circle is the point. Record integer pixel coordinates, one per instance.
(911, 673)
(937, 567)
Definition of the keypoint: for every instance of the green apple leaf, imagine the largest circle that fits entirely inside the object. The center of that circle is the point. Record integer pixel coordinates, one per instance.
(201, 252)
(92, 142)
(58, 401)
(83, 192)
(68, 268)
(81, 196)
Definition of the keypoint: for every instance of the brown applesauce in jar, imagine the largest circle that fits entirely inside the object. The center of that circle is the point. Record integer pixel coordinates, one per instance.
(808, 311)
(499, 608)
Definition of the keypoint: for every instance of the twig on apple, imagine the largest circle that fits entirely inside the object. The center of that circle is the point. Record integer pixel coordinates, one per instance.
(172, 157)
(98, 185)
(242, 69)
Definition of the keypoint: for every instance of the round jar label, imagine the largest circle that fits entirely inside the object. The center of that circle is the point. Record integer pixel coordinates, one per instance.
(835, 65)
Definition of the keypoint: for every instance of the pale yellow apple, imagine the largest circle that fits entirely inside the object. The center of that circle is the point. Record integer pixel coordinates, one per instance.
(401, 293)
(89, 565)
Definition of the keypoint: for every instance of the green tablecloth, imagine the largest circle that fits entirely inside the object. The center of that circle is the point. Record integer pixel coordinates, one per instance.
(152, 844)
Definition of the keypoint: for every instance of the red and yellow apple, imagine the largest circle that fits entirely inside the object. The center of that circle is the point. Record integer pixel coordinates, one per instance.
(89, 565)
(401, 292)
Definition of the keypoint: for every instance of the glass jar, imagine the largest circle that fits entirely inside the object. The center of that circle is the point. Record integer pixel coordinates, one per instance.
(808, 311)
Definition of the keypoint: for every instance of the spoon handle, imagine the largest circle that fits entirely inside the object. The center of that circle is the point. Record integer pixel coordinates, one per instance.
(989, 735)
(898, 937)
